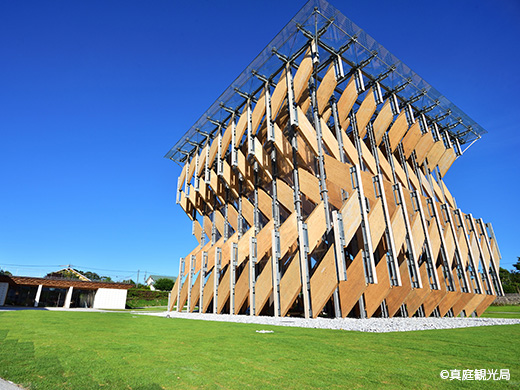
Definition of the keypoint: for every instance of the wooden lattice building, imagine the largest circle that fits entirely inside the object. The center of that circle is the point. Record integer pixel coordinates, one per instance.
(314, 186)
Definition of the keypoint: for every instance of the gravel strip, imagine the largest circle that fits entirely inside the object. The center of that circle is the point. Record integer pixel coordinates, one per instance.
(376, 325)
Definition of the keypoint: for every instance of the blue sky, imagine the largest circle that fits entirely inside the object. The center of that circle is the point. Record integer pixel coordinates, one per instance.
(94, 93)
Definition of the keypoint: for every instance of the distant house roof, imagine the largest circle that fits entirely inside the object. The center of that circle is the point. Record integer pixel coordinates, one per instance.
(59, 274)
(157, 277)
(61, 283)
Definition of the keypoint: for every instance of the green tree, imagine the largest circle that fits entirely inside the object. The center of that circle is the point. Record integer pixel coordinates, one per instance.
(164, 284)
(91, 275)
(5, 272)
(511, 279)
(517, 265)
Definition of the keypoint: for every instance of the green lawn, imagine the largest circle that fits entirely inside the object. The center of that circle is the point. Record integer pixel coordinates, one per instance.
(78, 350)
(502, 312)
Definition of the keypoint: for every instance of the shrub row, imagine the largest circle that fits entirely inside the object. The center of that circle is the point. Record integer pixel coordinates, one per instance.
(135, 293)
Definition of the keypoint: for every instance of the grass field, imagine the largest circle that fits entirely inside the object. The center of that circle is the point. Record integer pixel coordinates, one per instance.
(75, 350)
(502, 312)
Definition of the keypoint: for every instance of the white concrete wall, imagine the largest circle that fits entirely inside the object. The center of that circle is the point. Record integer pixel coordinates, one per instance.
(110, 298)
(3, 292)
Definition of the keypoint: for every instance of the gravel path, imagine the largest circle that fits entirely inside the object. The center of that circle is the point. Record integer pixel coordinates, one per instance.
(377, 325)
(8, 385)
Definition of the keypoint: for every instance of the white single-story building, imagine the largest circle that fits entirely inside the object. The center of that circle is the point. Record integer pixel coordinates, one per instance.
(154, 278)
(49, 292)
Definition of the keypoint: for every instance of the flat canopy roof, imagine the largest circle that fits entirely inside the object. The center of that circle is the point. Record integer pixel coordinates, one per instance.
(61, 283)
(336, 35)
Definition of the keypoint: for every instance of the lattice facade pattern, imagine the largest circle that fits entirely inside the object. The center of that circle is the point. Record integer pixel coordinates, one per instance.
(321, 193)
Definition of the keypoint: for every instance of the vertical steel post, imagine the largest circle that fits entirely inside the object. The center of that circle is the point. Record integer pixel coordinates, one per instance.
(495, 276)
(317, 126)
(232, 277)
(252, 274)
(473, 269)
(216, 278)
(190, 280)
(203, 270)
(181, 269)
(302, 238)
(413, 267)
(393, 266)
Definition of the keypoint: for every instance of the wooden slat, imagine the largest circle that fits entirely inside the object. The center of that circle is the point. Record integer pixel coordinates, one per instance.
(474, 303)
(435, 153)
(423, 147)
(435, 297)
(182, 177)
(213, 151)
(184, 295)
(316, 226)
(207, 294)
(351, 214)
(426, 185)
(258, 112)
(400, 172)
(350, 150)
(242, 289)
(375, 293)
(220, 222)
(447, 196)
(411, 139)
(309, 185)
(417, 234)
(302, 76)
(279, 93)
(437, 190)
(174, 293)
(290, 285)
(488, 300)
(223, 291)
(435, 239)
(329, 140)
(307, 131)
(397, 296)
(263, 287)
(243, 246)
(285, 194)
(202, 160)
(248, 211)
(418, 295)
(365, 112)
(450, 243)
(197, 230)
(351, 290)
(399, 229)
(241, 127)
(265, 203)
(397, 131)
(226, 137)
(264, 240)
(323, 282)
(338, 172)
(369, 160)
(288, 234)
(376, 220)
(326, 88)
(191, 168)
(446, 161)
(382, 121)
(346, 102)
(195, 294)
(413, 178)
(385, 166)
